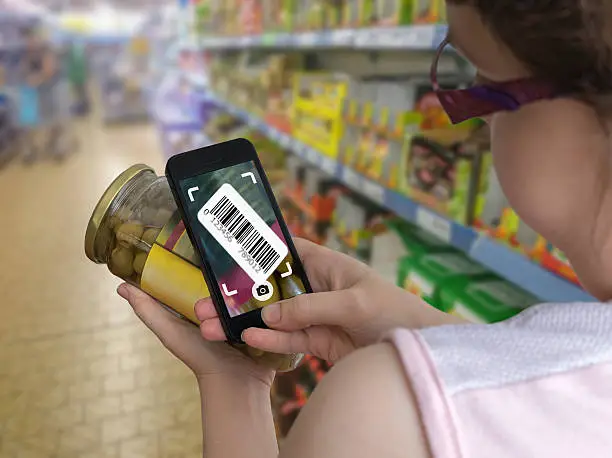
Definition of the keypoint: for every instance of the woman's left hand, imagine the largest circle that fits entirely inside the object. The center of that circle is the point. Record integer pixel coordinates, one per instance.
(183, 339)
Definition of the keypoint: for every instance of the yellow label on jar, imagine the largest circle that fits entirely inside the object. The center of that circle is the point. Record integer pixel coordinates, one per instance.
(173, 281)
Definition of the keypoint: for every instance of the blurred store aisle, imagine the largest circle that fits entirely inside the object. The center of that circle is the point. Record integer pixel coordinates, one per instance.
(79, 375)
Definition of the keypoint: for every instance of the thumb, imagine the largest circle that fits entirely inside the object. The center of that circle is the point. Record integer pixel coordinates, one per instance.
(159, 319)
(335, 308)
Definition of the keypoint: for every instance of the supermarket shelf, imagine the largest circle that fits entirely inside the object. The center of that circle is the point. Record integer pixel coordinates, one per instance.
(500, 259)
(11, 47)
(415, 37)
(21, 16)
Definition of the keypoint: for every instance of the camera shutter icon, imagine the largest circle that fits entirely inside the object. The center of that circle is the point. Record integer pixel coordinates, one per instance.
(263, 291)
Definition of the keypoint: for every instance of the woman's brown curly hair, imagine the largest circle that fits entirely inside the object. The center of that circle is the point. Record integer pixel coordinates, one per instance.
(566, 42)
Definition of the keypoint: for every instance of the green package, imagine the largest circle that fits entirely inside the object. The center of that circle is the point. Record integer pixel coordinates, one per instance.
(394, 12)
(428, 275)
(484, 301)
(415, 242)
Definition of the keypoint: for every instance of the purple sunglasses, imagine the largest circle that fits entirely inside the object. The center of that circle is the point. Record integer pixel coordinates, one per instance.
(486, 99)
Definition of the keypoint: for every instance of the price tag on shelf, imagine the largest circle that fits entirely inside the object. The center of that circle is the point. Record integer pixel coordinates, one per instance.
(300, 149)
(307, 39)
(246, 41)
(364, 38)
(281, 138)
(269, 132)
(434, 223)
(341, 37)
(418, 36)
(285, 39)
(386, 39)
(351, 178)
(269, 39)
(373, 191)
(284, 140)
(410, 38)
(328, 165)
(312, 155)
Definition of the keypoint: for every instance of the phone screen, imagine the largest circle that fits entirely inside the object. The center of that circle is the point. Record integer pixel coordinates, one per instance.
(231, 215)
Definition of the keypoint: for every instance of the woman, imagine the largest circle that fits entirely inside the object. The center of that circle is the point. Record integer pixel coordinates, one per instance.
(537, 385)
(40, 69)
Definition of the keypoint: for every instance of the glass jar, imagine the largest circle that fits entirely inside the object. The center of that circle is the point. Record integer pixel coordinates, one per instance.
(137, 231)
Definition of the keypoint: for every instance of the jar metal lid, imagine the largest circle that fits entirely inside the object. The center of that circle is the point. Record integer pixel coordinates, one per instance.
(96, 230)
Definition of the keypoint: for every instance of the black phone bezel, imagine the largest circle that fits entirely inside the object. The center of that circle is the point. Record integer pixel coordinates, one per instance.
(208, 159)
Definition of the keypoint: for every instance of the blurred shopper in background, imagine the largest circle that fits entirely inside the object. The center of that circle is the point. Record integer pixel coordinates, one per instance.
(77, 75)
(46, 101)
(40, 69)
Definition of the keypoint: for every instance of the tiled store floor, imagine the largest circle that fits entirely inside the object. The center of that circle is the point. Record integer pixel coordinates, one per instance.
(79, 375)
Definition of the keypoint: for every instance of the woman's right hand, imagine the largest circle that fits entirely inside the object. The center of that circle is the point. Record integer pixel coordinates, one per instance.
(351, 307)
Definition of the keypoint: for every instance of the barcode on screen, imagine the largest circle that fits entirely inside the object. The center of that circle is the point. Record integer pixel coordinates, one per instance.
(243, 234)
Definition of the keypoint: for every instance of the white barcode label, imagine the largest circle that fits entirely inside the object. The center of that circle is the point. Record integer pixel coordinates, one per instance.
(373, 191)
(242, 233)
(351, 178)
(341, 37)
(328, 165)
(435, 224)
(307, 39)
(312, 155)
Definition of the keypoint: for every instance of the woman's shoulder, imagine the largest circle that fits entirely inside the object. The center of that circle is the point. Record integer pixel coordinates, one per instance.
(515, 388)
(543, 340)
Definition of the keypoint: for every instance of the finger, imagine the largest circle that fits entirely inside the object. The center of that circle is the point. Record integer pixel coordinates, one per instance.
(155, 316)
(276, 341)
(205, 309)
(336, 308)
(328, 270)
(212, 330)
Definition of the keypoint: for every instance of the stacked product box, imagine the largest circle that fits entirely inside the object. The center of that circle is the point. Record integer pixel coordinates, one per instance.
(397, 133)
(406, 12)
(452, 179)
(488, 300)
(429, 274)
(318, 101)
(400, 242)
(454, 284)
(378, 115)
(278, 15)
(262, 85)
(243, 17)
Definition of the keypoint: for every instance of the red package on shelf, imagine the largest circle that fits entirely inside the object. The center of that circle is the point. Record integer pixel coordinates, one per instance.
(250, 17)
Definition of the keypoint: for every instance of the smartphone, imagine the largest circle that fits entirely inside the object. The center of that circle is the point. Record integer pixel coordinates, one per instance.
(247, 255)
